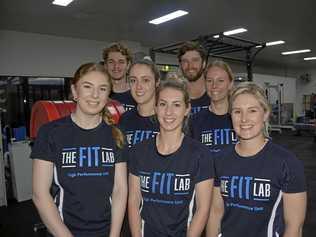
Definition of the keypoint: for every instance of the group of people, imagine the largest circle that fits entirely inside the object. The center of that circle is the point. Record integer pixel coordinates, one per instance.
(191, 156)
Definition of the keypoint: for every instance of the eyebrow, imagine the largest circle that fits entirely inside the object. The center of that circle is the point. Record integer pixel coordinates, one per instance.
(176, 101)
(251, 107)
(102, 85)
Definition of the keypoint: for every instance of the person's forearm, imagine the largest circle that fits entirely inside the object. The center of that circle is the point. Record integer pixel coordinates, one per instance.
(198, 223)
(135, 221)
(119, 198)
(293, 231)
(213, 227)
(50, 216)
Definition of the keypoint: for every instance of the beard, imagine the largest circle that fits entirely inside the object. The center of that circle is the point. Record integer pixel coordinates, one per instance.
(193, 78)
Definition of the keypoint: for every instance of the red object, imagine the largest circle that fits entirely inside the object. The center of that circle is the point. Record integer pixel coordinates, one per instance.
(44, 111)
(116, 109)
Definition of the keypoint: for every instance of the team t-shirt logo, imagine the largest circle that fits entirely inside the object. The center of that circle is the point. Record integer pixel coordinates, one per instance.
(128, 107)
(137, 136)
(196, 109)
(245, 188)
(164, 185)
(87, 157)
(219, 136)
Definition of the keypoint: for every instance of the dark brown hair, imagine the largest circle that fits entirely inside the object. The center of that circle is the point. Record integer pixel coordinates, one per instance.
(192, 46)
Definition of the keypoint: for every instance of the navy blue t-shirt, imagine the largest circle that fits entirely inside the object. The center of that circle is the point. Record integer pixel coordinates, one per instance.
(252, 188)
(168, 184)
(199, 104)
(138, 128)
(84, 161)
(125, 98)
(215, 131)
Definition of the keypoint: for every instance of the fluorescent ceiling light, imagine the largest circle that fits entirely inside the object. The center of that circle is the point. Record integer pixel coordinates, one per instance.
(296, 51)
(311, 58)
(168, 17)
(275, 43)
(236, 31)
(63, 3)
(232, 32)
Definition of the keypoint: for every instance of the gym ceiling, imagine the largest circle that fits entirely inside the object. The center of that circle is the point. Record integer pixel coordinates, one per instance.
(266, 20)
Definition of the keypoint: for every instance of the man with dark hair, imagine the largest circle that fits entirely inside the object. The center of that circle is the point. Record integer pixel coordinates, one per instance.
(117, 59)
(192, 59)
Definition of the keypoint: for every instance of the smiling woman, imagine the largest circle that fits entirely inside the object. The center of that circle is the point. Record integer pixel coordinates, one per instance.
(258, 184)
(168, 173)
(213, 126)
(140, 123)
(79, 157)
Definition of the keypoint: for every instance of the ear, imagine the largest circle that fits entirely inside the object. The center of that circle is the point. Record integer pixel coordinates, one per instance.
(74, 92)
(157, 83)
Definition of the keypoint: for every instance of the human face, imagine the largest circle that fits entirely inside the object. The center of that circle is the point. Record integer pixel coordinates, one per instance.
(91, 93)
(192, 65)
(218, 84)
(248, 117)
(142, 83)
(117, 65)
(171, 109)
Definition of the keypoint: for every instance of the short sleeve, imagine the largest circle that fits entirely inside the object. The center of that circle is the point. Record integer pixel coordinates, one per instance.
(120, 156)
(44, 148)
(205, 165)
(293, 176)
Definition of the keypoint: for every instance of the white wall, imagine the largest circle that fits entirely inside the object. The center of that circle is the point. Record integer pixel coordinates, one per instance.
(305, 88)
(27, 54)
(289, 85)
(30, 54)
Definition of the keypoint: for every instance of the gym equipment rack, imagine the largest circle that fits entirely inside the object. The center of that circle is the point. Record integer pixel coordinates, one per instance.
(219, 46)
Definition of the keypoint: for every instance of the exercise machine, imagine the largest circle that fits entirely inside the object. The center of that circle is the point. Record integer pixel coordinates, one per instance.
(220, 46)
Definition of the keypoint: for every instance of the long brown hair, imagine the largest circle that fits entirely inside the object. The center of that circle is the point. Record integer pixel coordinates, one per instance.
(106, 115)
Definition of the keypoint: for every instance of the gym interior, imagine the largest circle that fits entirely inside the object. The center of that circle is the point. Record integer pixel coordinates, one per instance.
(42, 44)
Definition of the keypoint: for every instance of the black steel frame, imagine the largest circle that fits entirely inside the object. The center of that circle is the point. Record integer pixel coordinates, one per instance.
(219, 47)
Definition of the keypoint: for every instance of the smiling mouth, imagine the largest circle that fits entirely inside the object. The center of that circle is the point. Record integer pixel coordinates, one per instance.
(246, 127)
(169, 120)
(140, 93)
(93, 103)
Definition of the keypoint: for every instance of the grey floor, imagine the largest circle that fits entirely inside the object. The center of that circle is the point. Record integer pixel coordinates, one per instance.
(18, 219)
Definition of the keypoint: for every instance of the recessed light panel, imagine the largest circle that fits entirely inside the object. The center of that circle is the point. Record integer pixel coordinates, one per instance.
(296, 51)
(275, 43)
(63, 3)
(310, 58)
(168, 17)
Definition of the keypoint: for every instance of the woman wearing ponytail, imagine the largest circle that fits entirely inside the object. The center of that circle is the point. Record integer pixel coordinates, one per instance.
(79, 174)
